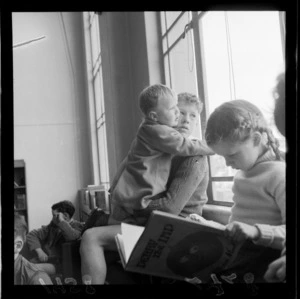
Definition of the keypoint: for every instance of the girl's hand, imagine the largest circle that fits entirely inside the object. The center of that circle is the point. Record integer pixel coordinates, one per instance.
(240, 231)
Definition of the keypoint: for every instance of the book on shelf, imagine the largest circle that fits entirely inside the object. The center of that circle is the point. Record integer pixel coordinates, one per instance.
(20, 201)
(175, 247)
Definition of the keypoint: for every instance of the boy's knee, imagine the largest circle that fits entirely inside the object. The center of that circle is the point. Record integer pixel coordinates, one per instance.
(92, 236)
(87, 238)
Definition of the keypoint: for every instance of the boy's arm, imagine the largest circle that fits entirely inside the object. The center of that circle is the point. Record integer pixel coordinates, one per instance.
(169, 140)
(36, 237)
(70, 230)
(183, 185)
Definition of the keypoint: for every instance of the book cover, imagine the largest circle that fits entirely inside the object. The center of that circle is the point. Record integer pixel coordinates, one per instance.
(175, 247)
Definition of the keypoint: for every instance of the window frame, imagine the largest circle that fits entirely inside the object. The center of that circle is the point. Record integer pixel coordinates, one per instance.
(195, 25)
(97, 122)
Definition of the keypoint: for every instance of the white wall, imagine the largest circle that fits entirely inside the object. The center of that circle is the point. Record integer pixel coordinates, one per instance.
(51, 130)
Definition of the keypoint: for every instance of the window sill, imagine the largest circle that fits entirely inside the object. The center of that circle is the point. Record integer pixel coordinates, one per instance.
(217, 213)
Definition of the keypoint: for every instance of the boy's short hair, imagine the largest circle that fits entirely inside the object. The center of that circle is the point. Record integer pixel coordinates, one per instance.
(189, 98)
(149, 96)
(64, 206)
(20, 226)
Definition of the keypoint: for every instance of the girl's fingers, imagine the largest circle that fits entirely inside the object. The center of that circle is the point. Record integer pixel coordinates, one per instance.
(230, 230)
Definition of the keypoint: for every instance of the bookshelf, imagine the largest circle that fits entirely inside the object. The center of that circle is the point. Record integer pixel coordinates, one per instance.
(20, 194)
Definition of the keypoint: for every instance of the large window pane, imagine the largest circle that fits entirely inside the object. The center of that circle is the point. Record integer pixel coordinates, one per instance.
(179, 57)
(243, 55)
(218, 167)
(222, 191)
(174, 27)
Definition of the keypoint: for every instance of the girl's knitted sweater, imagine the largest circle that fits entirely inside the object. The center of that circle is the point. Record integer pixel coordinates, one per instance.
(259, 199)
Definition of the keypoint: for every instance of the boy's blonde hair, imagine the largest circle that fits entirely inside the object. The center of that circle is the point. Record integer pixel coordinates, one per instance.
(188, 98)
(149, 96)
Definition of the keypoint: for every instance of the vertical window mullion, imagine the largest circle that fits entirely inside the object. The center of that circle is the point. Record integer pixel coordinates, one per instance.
(96, 104)
(168, 54)
(200, 71)
(92, 112)
(282, 30)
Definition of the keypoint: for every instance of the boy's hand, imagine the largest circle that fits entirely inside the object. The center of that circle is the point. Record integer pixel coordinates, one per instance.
(197, 218)
(276, 271)
(42, 256)
(202, 220)
(59, 218)
(240, 231)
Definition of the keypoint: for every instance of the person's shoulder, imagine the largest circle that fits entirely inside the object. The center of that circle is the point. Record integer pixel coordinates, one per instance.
(200, 159)
(272, 166)
(28, 265)
(273, 172)
(191, 161)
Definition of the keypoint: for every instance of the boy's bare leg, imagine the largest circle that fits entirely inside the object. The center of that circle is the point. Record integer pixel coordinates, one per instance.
(46, 267)
(93, 243)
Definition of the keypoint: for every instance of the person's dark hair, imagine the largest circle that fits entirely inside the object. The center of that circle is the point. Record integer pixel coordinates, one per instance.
(235, 121)
(188, 98)
(149, 96)
(64, 206)
(279, 96)
(20, 226)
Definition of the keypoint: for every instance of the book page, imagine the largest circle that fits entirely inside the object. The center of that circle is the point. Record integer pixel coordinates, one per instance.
(130, 235)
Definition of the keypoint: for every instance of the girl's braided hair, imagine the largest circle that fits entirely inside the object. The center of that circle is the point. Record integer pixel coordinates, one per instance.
(235, 121)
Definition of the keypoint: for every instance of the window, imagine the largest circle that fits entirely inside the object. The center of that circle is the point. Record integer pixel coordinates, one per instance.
(221, 56)
(96, 100)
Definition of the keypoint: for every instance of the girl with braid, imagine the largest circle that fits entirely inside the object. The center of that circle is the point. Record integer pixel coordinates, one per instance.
(238, 131)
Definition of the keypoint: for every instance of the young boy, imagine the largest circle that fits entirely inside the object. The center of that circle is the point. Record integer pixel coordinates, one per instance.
(45, 243)
(146, 170)
(187, 183)
(25, 273)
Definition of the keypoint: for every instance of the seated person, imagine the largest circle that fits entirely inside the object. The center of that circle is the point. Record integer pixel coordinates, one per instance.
(25, 273)
(238, 131)
(44, 244)
(186, 187)
(276, 271)
(147, 166)
(188, 179)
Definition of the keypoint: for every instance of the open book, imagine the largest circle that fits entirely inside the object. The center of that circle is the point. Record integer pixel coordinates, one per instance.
(175, 247)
